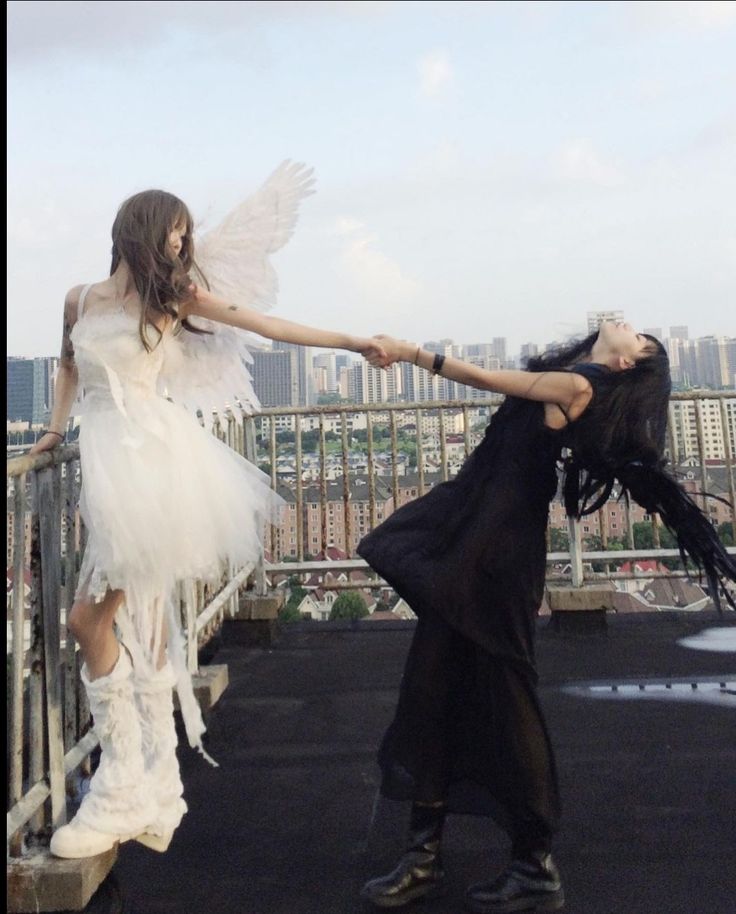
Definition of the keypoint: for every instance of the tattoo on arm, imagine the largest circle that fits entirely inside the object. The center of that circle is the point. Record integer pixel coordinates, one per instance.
(67, 349)
(232, 307)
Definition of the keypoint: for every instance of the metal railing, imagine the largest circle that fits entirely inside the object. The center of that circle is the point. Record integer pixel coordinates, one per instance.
(49, 740)
(48, 721)
(328, 513)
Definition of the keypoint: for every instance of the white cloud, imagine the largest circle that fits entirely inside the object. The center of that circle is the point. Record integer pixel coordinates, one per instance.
(348, 226)
(698, 14)
(579, 162)
(40, 227)
(372, 275)
(435, 73)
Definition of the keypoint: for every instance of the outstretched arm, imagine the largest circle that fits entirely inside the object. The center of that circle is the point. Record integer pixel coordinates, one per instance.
(205, 304)
(66, 380)
(569, 390)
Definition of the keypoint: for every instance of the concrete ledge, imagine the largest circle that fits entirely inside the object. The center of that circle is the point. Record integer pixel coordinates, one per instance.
(42, 882)
(253, 607)
(579, 609)
(209, 684)
(580, 599)
(255, 624)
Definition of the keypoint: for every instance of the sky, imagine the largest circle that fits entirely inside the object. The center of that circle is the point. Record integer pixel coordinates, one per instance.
(483, 169)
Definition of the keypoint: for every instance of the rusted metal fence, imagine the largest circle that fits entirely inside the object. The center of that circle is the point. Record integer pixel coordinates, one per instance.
(332, 500)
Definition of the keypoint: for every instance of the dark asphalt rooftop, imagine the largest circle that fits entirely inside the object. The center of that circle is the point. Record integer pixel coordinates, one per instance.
(283, 826)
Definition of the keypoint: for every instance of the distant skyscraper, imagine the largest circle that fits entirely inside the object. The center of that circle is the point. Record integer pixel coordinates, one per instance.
(375, 385)
(275, 377)
(328, 361)
(713, 361)
(30, 388)
(479, 349)
(595, 318)
(679, 333)
(498, 349)
(304, 370)
(344, 383)
(489, 363)
(528, 351)
(20, 389)
(443, 388)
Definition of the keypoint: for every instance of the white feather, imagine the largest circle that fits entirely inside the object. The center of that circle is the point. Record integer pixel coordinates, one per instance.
(210, 371)
(234, 256)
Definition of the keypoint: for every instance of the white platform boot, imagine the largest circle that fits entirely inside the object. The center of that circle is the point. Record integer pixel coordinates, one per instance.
(120, 803)
(155, 704)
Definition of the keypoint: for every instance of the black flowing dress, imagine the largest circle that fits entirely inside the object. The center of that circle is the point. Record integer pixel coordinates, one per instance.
(469, 557)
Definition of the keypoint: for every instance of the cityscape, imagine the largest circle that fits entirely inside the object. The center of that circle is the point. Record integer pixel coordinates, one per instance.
(351, 468)
(287, 375)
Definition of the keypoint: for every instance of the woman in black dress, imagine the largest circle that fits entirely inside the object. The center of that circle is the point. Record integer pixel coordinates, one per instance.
(470, 557)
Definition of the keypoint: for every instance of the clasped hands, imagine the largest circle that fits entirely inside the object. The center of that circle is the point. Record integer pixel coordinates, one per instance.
(383, 351)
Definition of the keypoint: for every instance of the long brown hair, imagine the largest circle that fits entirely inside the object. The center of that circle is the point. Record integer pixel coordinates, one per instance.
(140, 235)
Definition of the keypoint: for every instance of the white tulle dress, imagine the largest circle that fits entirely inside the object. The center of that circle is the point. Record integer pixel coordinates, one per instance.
(163, 500)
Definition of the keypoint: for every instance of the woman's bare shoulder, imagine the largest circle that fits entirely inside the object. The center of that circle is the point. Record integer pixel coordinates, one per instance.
(71, 299)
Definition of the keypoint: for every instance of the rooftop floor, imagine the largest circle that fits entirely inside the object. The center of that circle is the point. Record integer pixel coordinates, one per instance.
(283, 825)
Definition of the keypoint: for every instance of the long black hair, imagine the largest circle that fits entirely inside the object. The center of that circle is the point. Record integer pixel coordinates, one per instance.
(620, 440)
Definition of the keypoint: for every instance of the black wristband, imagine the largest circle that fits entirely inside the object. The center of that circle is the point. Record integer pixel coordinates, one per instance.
(439, 361)
(48, 431)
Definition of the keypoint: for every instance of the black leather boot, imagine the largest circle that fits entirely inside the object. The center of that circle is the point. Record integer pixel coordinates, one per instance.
(528, 884)
(419, 873)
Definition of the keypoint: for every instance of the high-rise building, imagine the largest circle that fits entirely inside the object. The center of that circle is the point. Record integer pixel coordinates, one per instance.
(679, 333)
(596, 317)
(489, 363)
(444, 389)
(528, 351)
(344, 383)
(375, 385)
(328, 362)
(303, 371)
(498, 350)
(20, 378)
(275, 378)
(691, 419)
(30, 388)
(712, 356)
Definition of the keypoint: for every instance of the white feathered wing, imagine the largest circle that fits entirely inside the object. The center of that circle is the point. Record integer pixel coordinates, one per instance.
(210, 371)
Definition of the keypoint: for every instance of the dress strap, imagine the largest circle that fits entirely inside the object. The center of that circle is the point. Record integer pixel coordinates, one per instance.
(82, 296)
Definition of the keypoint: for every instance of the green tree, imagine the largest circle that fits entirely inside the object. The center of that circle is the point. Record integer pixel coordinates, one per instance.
(644, 539)
(725, 532)
(348, 606)
(290, 613)
(644, 536)
(296, 593)
(310, 440)
(559, 541)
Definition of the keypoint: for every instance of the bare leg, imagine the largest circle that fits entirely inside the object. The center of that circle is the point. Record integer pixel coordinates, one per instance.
(92, 625)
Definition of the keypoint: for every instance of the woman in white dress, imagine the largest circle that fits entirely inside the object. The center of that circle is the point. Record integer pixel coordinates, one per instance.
(163, 500)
